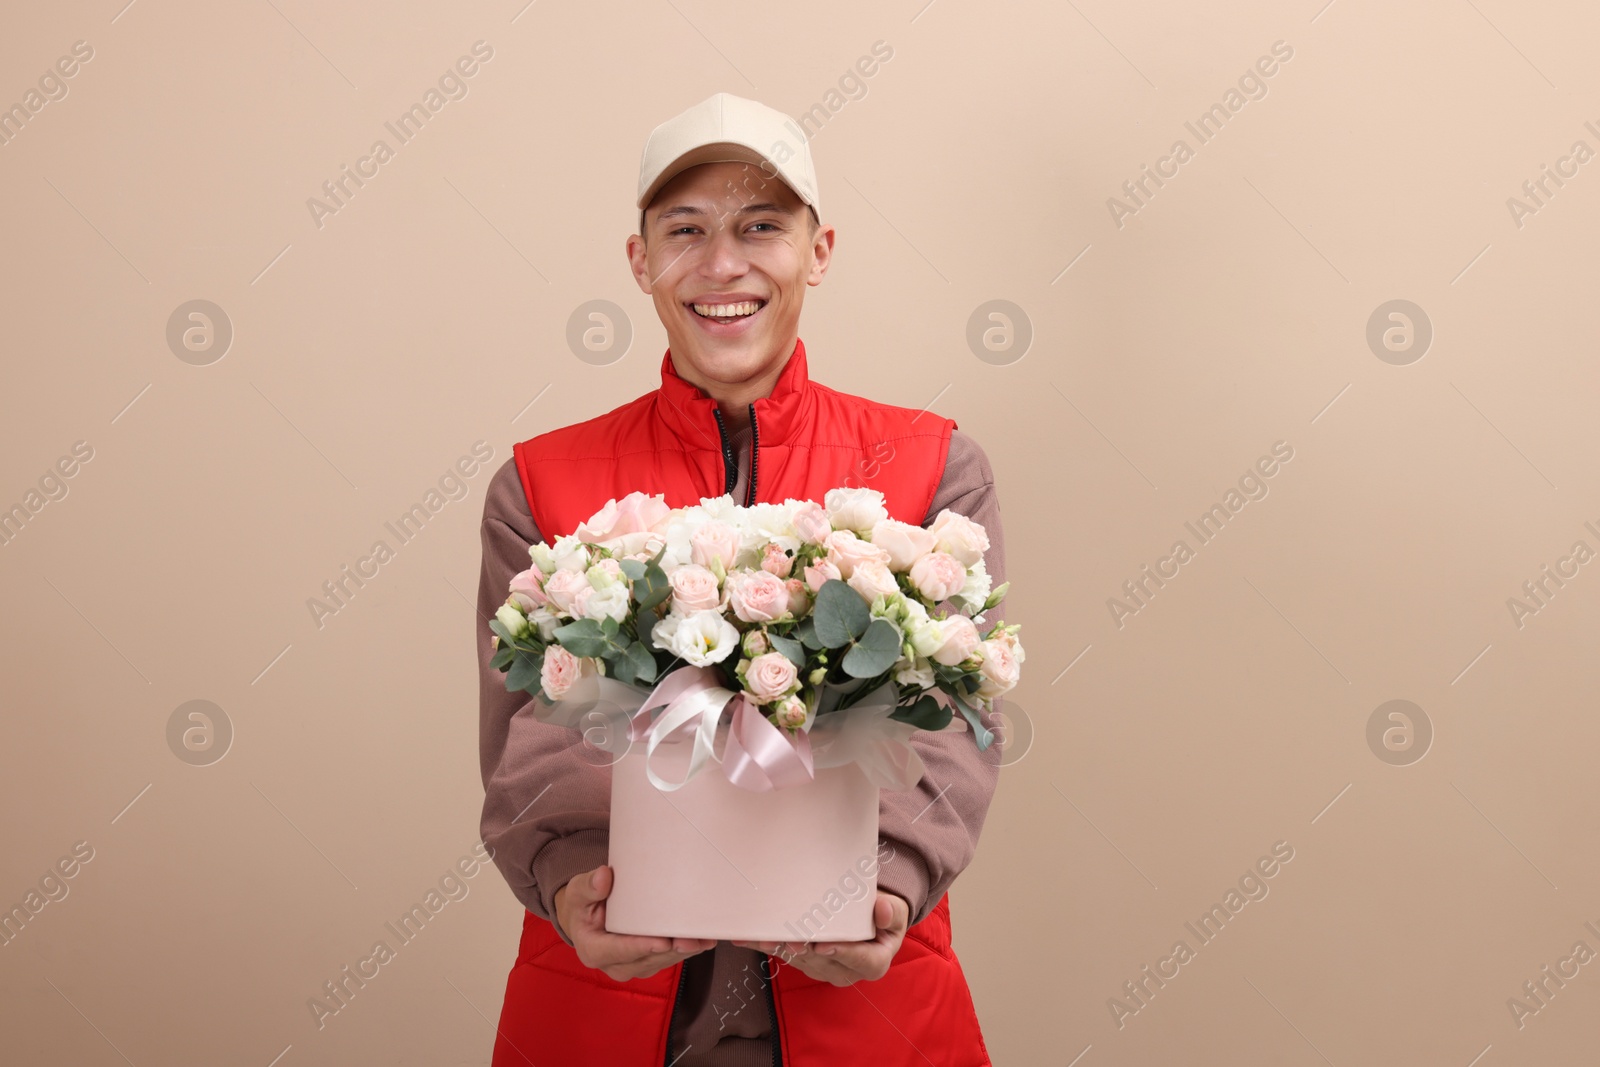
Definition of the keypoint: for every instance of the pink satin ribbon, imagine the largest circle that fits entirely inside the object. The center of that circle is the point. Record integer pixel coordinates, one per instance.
(757, 756)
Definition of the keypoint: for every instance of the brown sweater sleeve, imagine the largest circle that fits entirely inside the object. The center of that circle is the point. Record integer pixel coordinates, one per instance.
(934, 827)
(546, 810)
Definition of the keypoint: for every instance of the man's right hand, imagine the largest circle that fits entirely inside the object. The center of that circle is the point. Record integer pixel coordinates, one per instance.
(581, 911)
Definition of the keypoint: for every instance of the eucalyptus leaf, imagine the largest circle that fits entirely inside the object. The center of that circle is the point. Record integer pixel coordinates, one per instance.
(983, 734)
(794, 650)
(652, 588)
(524, 671)
(583, 638)
(806, 631)
(633, 568)
(502, 657)
(875, 651)
(839, 614)
(641, 663)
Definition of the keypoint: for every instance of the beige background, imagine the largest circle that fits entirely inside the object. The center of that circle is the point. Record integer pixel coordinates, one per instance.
(1227, 314)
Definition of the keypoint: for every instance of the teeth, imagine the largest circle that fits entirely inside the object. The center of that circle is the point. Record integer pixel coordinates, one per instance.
(723, 311)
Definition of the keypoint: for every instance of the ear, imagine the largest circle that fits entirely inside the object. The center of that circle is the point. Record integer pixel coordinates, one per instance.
(638, 262)
(821, 254)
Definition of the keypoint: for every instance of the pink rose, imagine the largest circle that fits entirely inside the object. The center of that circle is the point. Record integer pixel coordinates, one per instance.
(811, 523)
(563, 586)
(633, 524)
(527, 589)
(958, 535)
(998, 668)
(938, 575)
(790, 712)
(845, 550)
(769, 676)
(580, 600)
(774, 560)
(714, 541)
(561, 671)
(694, 589)
(799, 599)
(958, 640)
(904, 542)
(757, 596)
(819, 572)
(873, 579)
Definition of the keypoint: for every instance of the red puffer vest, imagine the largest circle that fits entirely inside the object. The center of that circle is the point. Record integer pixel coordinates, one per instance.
(807, 439)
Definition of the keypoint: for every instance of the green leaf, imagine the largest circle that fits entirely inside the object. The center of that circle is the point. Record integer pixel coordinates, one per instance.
(794, 650)
(500, 628)
(984, 735)
(609, 626)
(652, 588)
(583, 638)
(643, 664)
(806, 632)
(620, 667)
(524, 671)
(839, 613)
(875, 650)
(925, 713)
(633, 568)
(502, 657)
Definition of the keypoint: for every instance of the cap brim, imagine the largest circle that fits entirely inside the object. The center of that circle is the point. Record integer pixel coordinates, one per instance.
(721, 152)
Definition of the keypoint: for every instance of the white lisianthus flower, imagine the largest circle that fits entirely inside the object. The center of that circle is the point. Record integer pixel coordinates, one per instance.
(917, 672)
(514, 621)
(701, 638)
(606, 572)
(976, 589)
(855, 509)
(612, 602)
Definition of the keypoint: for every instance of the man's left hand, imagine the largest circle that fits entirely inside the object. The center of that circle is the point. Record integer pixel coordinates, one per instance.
(843, 963)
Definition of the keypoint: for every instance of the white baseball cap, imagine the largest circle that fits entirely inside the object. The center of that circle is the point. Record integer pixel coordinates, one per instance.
(729, 129)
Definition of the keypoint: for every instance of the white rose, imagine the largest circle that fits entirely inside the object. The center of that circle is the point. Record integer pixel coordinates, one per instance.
(854, 509)
(904, 542)
(702, 638)
(960, 536)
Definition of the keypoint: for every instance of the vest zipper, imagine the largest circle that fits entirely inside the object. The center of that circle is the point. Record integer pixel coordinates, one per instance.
(772, 1001)
(672, 1020)
(755, 446)
(730, 466)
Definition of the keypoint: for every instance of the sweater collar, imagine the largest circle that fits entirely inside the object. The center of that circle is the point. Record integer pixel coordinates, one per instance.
(691, 414)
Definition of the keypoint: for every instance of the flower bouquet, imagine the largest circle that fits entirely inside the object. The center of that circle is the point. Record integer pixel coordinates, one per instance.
(819, 627)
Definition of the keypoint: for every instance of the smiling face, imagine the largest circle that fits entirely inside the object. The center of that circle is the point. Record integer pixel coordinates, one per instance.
(726, 255)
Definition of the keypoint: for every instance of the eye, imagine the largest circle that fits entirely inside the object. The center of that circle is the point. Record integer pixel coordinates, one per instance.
(768, 224)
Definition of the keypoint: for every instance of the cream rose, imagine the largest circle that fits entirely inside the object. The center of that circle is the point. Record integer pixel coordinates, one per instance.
(938, 575)
(904, 542)
(872, 580)
(633, 524)
(562, 670)
(770, 676)
(958, 640)
(811, 522)
(819, 572)
(846, 550)
(757, 596)
(998, 668)
(854, 509)
(715, 540)
(694, 588)
(563, 587)
(960, 536)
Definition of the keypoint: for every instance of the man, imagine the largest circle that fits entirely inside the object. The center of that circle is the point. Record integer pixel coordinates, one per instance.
(730, 237)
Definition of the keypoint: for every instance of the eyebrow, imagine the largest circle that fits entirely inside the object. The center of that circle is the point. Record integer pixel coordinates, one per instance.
(682, 210)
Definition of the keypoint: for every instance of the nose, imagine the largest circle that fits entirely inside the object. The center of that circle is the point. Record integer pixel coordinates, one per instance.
(725, 255)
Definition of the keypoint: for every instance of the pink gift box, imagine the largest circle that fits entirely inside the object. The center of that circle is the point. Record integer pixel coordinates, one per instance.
(715, 860)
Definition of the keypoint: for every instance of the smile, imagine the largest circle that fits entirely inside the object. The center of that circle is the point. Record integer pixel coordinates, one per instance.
(726, 313)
